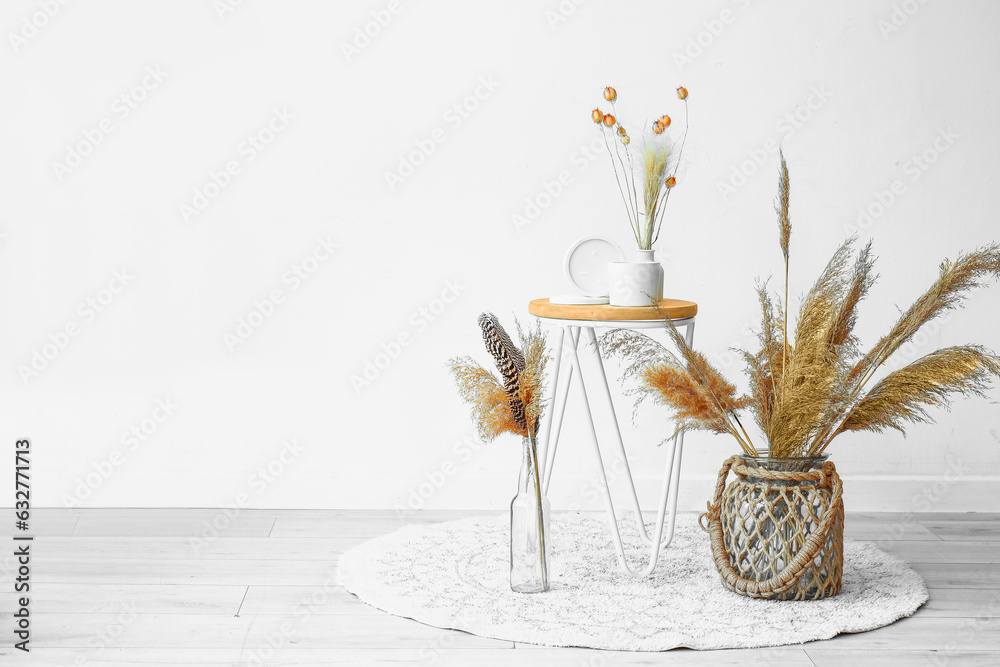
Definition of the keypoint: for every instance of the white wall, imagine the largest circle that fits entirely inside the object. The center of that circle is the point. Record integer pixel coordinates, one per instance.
(874, 84)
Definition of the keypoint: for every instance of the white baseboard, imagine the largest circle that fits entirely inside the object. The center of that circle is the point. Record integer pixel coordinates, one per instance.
(487, 490)
(874, 493)
(862, 493)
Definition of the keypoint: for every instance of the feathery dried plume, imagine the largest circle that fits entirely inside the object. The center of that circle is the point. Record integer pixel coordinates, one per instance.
(636, 348)
(532, 378)
(704, 373)
(654, 167)
(804, 395)
(480, 388)
(843, 344)
(862, 279)
(701, 397)
(784, 237)
(515, 405)
(900, 396)
(764, 368)
(694, 405)
(781, 208)
(808, 382)
(947, 293)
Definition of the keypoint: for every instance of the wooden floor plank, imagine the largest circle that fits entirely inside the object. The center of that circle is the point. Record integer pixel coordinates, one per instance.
(889, 517)
(980, 531)
(200, 525)
(959, 575)
(872, 531)
(921, 633)
(77, 598)
(438, 657)
(241, 548)
(41, 523)
(104, 548)
(249, 634)
(903, 658)
(178, 571)
(962, 602)
(289, 599)
(216, 657)
(943, 551)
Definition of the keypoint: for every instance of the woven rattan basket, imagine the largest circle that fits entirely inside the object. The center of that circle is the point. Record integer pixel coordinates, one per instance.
(777, 530)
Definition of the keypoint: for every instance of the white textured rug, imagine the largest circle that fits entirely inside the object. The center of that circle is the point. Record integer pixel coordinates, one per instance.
(456, 575)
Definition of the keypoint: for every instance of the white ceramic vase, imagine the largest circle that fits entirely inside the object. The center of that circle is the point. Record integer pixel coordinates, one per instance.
(638, 283)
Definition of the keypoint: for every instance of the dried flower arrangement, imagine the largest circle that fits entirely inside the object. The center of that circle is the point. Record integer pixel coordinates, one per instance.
(655, 182)
(515, 406)
(805, 393)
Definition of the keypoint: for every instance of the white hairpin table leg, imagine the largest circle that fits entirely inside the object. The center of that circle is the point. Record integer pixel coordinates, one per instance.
(592, 336)
(545, 444)
(559, 404)
(667, 510)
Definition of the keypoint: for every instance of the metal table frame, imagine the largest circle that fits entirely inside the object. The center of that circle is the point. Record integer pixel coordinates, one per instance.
(583, 331)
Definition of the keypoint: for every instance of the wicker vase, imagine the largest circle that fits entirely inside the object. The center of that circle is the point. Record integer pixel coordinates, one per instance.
(777, 530)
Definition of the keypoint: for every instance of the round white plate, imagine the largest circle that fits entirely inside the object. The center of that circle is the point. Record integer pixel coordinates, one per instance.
(587, 264)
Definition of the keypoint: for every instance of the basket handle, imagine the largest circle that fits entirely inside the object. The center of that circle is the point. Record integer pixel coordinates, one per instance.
(789, 576)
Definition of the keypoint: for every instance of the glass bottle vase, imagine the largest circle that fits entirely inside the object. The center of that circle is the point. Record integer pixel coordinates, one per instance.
(529, 528)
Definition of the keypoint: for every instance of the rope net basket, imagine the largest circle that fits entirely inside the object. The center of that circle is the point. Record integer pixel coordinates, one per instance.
(777, 530)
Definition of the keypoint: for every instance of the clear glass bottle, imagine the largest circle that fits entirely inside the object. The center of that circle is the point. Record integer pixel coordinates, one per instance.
(529, 528)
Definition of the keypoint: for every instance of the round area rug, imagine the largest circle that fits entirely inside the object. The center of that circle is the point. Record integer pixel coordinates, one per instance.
(456, 575)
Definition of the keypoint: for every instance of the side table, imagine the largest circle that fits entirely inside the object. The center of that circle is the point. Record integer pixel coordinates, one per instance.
(577, 324)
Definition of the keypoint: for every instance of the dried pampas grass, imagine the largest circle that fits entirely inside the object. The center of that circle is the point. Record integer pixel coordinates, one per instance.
(700, 396)
(514, 405)
(805, 393)
(901, 396)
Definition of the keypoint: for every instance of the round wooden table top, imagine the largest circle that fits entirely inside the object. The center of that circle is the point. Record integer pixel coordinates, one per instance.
(675, 309)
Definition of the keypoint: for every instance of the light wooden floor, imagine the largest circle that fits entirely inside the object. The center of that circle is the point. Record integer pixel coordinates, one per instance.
(126, 587)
